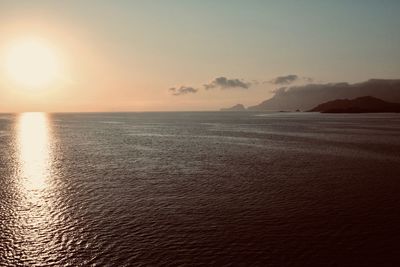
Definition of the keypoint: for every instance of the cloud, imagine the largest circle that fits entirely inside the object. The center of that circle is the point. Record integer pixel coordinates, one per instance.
(289, 79)
(183, 90)
(225, 83)
(220, 82)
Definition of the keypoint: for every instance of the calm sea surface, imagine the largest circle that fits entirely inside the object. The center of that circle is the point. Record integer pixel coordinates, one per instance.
(206, 188)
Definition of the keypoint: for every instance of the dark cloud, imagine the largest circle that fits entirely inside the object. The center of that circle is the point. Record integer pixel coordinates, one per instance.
(225, 83)
(288, 79)
(183, 90)
(308, 96)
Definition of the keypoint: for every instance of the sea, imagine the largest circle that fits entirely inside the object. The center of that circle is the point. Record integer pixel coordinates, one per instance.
(199, 189)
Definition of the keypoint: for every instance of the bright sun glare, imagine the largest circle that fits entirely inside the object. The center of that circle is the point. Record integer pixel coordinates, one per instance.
(32, 63)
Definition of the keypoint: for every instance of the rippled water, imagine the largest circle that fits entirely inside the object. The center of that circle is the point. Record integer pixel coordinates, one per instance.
(156, 189)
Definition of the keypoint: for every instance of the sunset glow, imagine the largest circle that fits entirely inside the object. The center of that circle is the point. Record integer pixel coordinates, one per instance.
(199, 133)
(32, 63)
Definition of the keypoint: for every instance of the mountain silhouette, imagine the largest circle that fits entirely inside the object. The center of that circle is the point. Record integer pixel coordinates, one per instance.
(308, 96)
(366, 104)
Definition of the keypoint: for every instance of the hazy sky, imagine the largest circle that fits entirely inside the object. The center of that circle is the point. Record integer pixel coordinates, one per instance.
(125, 55)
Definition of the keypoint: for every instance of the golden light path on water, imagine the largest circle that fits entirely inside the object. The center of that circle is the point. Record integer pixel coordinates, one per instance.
(34, 155)
(34, 150)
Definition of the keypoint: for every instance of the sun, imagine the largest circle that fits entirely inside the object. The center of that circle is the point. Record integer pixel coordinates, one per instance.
(32, 63)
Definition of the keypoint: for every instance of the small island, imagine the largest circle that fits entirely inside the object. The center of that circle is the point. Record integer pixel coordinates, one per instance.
(365, 104)
(238, 107)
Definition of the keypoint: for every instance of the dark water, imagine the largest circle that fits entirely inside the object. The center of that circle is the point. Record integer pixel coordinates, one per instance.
(216, 189)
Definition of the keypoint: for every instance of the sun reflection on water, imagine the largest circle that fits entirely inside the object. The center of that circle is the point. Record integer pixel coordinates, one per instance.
(34, 150)
(35, 224)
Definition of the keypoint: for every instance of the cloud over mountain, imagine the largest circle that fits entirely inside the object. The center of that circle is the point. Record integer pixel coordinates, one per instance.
(282, 80)
(308, 96)
(289, 79)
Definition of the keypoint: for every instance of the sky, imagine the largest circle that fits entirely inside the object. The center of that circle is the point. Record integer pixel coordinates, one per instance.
(169, 55)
